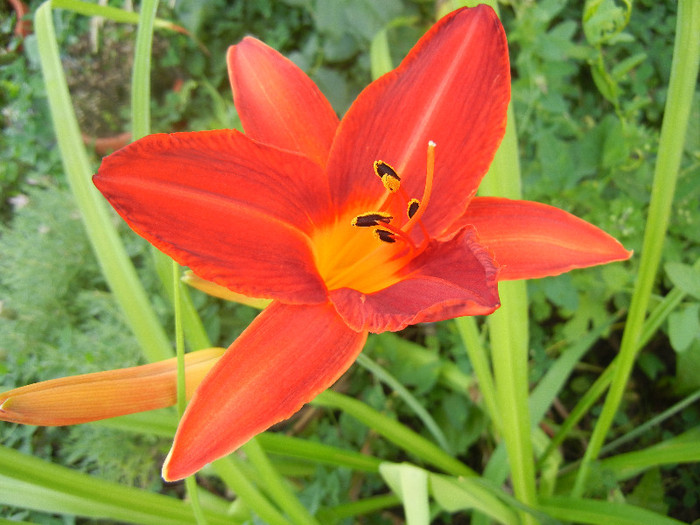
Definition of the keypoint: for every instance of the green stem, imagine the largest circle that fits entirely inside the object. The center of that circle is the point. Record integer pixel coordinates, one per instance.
(684, 72)
(508, 330)
(140, 125)
(479, 359)
(111, 255)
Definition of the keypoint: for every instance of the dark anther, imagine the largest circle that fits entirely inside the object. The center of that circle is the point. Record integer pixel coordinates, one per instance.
(384, 235)
(413, 206)
(371, 219)
(381, 168)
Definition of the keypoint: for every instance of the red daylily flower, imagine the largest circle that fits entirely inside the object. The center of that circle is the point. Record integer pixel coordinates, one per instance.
(361, 225)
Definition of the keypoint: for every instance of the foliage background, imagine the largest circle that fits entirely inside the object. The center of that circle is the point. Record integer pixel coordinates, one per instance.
(588, 107)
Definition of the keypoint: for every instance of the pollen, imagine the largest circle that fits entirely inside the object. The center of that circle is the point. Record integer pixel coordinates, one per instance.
(412, 207)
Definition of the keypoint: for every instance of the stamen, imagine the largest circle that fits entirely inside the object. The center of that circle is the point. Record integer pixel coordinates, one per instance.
(412, 208)
(371, 219)
(384, 235)
(429, 174)
(390, 179)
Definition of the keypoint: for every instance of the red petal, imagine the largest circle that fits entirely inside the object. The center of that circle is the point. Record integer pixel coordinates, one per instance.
(449, 279)
(236, 212)
(277, 103)
(287, 356)
(453, 88)
(531, 240)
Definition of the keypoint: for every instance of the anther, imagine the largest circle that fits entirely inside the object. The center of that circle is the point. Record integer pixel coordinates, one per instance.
(413, 206)
(384, 235)
(371, 219)
(390, 179)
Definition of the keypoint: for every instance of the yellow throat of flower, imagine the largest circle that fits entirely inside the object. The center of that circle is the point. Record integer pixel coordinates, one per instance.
(369, 261)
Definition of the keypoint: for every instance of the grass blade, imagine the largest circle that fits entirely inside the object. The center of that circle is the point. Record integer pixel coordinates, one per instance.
(110, 252)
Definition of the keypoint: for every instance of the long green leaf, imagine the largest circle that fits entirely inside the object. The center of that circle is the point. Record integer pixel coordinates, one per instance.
(110, 252)
(36, 484)
(358, 508)
(110, 13)
(597, 512)
(403, 393)
(289, 446)
(478, 357)
(394, 431)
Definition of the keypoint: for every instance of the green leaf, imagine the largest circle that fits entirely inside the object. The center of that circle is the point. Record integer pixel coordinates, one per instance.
(604, 19)
(688, 369)
(39, 485)
(410, 483)
(622, 69)
(597, 512)
(684, 327)
(385, 377)
(685, 277)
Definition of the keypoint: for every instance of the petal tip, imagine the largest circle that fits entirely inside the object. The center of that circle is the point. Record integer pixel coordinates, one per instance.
(168, 473)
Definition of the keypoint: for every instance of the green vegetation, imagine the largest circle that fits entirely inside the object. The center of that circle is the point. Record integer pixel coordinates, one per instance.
(409, 432)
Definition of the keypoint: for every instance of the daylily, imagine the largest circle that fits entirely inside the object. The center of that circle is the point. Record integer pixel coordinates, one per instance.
(361, 225)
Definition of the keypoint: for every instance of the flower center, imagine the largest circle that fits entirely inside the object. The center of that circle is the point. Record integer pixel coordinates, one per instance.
(369, 261)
